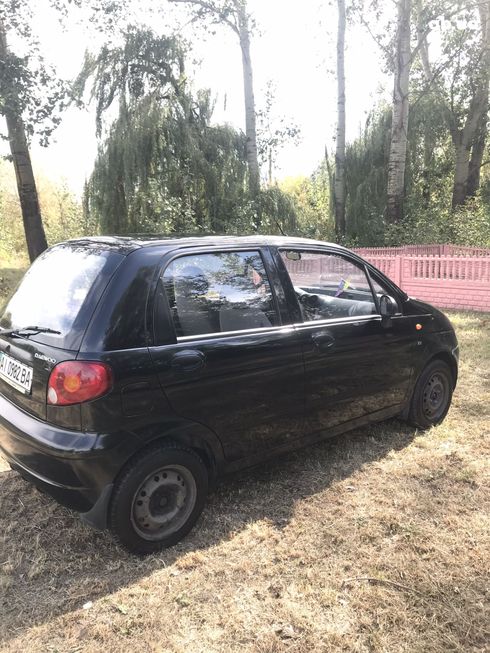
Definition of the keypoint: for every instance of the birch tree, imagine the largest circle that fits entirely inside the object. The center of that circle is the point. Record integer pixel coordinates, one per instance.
(339, 180)
(399, 126)
(234, 15)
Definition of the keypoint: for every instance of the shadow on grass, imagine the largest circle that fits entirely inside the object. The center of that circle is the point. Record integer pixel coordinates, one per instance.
(51, 563)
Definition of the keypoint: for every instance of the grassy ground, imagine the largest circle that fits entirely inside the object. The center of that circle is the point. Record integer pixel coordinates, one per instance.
(375, 541)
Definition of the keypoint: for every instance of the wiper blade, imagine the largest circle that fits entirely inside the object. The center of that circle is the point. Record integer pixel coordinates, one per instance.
(25, 332)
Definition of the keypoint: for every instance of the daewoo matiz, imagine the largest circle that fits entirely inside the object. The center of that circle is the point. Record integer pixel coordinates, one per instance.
(135, 372)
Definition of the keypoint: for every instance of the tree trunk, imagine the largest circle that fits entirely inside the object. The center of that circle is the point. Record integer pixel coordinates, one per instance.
(339, 183)
(248, 88)
(426, 176)
(469, 142)
(469, 146)
(461, 169)
(26, 184)
(476, 160)
(399, 129)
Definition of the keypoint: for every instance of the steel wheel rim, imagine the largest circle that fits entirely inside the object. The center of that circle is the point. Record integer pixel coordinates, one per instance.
(163, 502)
(435, 395)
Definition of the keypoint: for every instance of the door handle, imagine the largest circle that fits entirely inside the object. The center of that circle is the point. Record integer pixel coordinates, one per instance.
(323, 341)
(188, 360)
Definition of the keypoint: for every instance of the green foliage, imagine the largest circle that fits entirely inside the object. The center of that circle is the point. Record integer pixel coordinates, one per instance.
(428, 185)
(63, 216)
(366, 161)
(310, 201)
(273, 132)
(144, 66)
(165, 168)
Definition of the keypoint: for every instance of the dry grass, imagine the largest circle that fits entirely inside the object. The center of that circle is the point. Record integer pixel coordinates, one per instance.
(374, 541)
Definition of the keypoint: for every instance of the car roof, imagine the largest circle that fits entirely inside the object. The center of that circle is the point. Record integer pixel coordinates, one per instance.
(127, 244)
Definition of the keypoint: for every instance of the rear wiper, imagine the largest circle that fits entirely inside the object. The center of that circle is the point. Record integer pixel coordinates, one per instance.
(27, 331)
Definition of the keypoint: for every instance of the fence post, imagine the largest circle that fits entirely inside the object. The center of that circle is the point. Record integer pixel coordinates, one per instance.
(398, 269)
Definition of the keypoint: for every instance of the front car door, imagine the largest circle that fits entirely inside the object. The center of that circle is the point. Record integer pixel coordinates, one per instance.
(226, 357)
(356, 362)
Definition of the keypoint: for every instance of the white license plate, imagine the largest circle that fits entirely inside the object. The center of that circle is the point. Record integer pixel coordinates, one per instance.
(16, 374)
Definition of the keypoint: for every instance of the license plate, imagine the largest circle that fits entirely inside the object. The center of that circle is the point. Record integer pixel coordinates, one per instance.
(16, 374)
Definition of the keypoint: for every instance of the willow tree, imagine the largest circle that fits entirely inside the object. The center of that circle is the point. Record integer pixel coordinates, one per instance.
(161, 164)
(144, 65)
(164, 168)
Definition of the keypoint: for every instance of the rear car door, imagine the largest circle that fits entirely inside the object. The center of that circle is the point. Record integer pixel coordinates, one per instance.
(224, 355)
(356, 362)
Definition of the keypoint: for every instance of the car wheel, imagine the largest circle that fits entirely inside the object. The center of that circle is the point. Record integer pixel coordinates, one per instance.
(158, 498)
(432, 395)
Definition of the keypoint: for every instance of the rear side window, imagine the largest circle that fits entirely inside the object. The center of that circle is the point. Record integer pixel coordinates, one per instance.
(55, 288)
(328, 286)
(219, 292)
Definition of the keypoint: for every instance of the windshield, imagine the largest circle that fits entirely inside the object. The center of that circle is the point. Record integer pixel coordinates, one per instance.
(54, 290)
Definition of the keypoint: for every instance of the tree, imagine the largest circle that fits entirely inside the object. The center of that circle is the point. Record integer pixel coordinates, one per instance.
(32, 98)
(399, 124)
(273, 133)
(163, 166)
(144, 65)
(19, 88)
(234, 15)
(339, 180)
(461, 81)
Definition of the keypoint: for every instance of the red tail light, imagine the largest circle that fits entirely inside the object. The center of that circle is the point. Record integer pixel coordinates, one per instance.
(73, 382)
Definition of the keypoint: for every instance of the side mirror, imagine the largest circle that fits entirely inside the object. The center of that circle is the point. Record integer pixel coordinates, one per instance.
(387, 306)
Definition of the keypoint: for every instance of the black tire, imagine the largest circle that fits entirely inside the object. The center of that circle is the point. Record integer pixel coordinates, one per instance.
(432, 395)
(158, 498)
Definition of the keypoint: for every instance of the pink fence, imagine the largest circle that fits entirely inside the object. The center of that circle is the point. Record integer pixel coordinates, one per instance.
(461, 282)
(424, 250)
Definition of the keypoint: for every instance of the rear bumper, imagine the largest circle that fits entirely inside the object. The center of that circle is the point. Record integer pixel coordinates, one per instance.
(75, 468)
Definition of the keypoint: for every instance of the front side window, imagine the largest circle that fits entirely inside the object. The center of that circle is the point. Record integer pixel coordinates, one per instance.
(328, 286)
(219, 292)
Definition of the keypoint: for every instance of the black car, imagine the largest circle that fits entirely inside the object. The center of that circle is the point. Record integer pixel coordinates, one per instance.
(135, 372)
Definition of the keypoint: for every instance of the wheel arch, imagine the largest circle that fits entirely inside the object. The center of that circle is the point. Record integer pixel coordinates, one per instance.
(189, 435)
(448, 358)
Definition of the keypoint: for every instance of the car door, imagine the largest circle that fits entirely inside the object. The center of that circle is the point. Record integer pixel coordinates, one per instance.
(356, 362)
(229, 362)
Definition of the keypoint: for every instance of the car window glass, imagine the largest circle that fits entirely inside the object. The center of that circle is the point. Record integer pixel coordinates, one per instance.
(218, 292)
(328, 286)
(54, 288)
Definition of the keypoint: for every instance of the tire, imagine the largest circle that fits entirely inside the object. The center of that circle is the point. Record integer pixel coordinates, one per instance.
(158, 498)
(432, 395)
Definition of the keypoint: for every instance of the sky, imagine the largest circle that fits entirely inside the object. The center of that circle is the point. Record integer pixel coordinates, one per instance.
(293, 47)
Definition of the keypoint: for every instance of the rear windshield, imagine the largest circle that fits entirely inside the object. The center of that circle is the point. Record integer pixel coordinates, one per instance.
(59, 291)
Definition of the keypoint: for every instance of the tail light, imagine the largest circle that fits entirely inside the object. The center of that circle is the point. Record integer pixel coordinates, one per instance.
(73, 382)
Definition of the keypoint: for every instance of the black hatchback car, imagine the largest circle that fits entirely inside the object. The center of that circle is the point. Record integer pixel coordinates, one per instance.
(135, 372)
